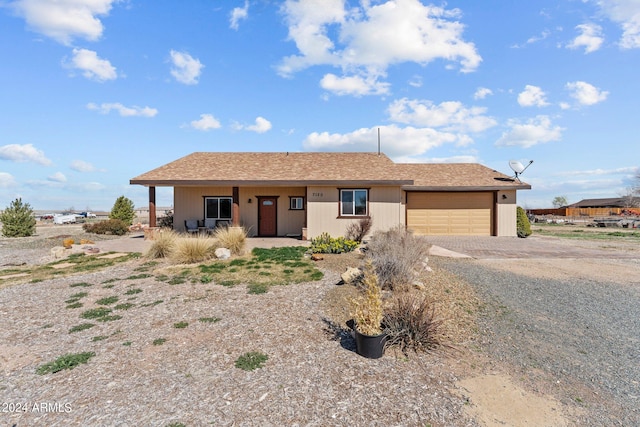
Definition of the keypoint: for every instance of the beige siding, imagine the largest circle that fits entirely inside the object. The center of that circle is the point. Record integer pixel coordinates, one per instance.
(506, 214)
(189, 204)
(323, 205)
(434, 213)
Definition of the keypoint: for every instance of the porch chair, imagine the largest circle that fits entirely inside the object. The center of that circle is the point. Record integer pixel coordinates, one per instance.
(191, 225)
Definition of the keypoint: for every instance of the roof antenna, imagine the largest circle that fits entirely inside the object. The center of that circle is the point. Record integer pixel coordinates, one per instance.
(518, 168)
(378, 141)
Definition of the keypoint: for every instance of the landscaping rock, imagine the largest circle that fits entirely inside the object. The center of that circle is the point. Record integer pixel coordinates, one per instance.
(223, 253)
(352, 275)
(316, 257)
(57, 252)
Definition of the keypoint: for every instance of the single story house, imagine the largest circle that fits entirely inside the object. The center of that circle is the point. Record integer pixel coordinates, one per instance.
(306, 194)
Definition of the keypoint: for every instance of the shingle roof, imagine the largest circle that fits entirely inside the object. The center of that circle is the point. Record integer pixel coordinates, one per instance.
(214, 168)
(616, 202)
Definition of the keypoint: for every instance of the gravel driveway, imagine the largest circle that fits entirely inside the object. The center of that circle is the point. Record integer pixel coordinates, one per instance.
(568, 333)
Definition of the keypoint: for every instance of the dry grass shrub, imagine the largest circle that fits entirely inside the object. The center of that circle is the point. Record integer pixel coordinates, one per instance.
(397, 255)
(357, 230)
(411, 322)
(164, 244)
(232, 238)
(190, 250)
(367, 307)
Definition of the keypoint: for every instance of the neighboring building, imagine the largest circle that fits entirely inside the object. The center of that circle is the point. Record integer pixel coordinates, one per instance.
(615, 202)
(306, 194)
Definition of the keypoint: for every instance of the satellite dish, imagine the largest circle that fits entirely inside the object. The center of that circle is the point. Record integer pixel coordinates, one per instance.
(518, 168)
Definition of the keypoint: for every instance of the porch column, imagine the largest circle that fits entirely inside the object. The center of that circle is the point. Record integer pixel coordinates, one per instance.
(152, 206)
(235, 212)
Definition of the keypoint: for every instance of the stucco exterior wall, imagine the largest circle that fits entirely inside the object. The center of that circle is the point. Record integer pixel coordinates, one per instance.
(323, 205)
(506, 213)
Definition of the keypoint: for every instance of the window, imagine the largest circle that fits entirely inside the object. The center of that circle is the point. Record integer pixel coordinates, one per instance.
(218, 207)
(353, 202)
(296, 203)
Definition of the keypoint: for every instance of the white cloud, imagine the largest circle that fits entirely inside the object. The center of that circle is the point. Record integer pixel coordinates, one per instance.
(57, 177)
(92, 66)
(23, 153)
(482, 93)
(238, 14)
(64, 20)
(532, 96)
(105, 108)
(82, 166)
(630, 170)
(450, 115)
(627, 14)
(535, 131)
(261, 125)
(396, 142)
(7, 180)
(590, 38)
(364, 41)
(585, 93)
(354, 85)
(205, 123)
(186, 69)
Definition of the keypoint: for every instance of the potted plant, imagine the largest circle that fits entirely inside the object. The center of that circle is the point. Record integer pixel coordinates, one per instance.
(367, 317)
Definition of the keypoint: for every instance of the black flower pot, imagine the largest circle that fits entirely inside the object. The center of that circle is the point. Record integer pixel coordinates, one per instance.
(370, 346)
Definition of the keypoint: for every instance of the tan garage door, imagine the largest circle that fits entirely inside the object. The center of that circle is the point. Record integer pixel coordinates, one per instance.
(455, 214)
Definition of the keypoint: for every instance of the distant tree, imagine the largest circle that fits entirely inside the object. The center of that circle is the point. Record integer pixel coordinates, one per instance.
(631, 198)
(18, 220)
(123, 209)
(523, 225)
(559, 201)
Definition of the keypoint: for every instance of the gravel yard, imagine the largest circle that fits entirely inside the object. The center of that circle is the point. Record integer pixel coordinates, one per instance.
(554, 334)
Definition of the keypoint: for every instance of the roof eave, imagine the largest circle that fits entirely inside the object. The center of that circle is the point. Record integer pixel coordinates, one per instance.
(467, 188)
(266, 183)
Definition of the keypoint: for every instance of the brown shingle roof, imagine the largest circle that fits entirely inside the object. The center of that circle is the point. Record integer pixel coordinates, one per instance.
(208, 168)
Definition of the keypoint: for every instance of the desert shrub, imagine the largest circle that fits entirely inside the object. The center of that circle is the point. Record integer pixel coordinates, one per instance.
(165, 221)
(68, 361)
(251, 360)
(232, 238)
(325, 244)
(164, 243)
(411, 323)
(123, 209)
(116, 227)
(522, 223)
(357, 230)
(190, 250)
(367, 308)
(18, 220)
(397, 254)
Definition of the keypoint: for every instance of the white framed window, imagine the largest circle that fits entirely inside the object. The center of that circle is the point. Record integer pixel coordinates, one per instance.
(354, 202)
(217, 207)
(296, 203)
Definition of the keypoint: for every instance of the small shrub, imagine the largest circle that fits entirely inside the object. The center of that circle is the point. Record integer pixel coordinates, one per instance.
(232, 238)
(80, 285)
(258, 288)
(192, 250)
(209, 319)
(367, 308)
(396, 255)
(180, 325)
(96, 313)
(251, 360)
(325, 244)
(165, 221)
(81, 327)
(75, 305)
(107, 300)
(125, 306)
(68, 361)
(133, 291)
(18, 220)
(411, 323)
(357, 230)
(522, 223)
(114, 227)
(164, 243)
(159, 341)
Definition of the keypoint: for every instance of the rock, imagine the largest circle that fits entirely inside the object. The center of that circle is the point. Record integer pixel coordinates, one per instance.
(351, 275)
(223, 253)
(316, 257)
(419, 285)
(57, 252)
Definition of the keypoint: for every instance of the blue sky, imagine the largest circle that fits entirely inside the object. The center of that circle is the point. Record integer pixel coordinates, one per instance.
(96, 92)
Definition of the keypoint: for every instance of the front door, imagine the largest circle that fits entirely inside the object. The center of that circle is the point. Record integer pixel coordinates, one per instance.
(267, 214)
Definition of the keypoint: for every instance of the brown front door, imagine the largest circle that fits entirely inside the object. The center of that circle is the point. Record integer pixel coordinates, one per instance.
(267, 210)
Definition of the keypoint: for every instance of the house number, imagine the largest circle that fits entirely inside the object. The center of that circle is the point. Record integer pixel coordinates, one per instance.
(317, 194)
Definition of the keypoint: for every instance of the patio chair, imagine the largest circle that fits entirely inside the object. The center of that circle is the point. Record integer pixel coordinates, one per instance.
(191, 225)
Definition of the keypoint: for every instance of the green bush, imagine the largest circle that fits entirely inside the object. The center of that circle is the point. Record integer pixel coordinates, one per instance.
(523, 224)
(123, 209)
(325, 244)
(116, 227)
(18, 220)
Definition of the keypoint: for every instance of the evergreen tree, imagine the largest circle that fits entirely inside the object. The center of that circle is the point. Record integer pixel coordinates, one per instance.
(123, 209)
(523, 224)
(18, 220)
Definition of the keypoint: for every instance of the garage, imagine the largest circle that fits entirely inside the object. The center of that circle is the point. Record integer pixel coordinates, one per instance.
(450, 213)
